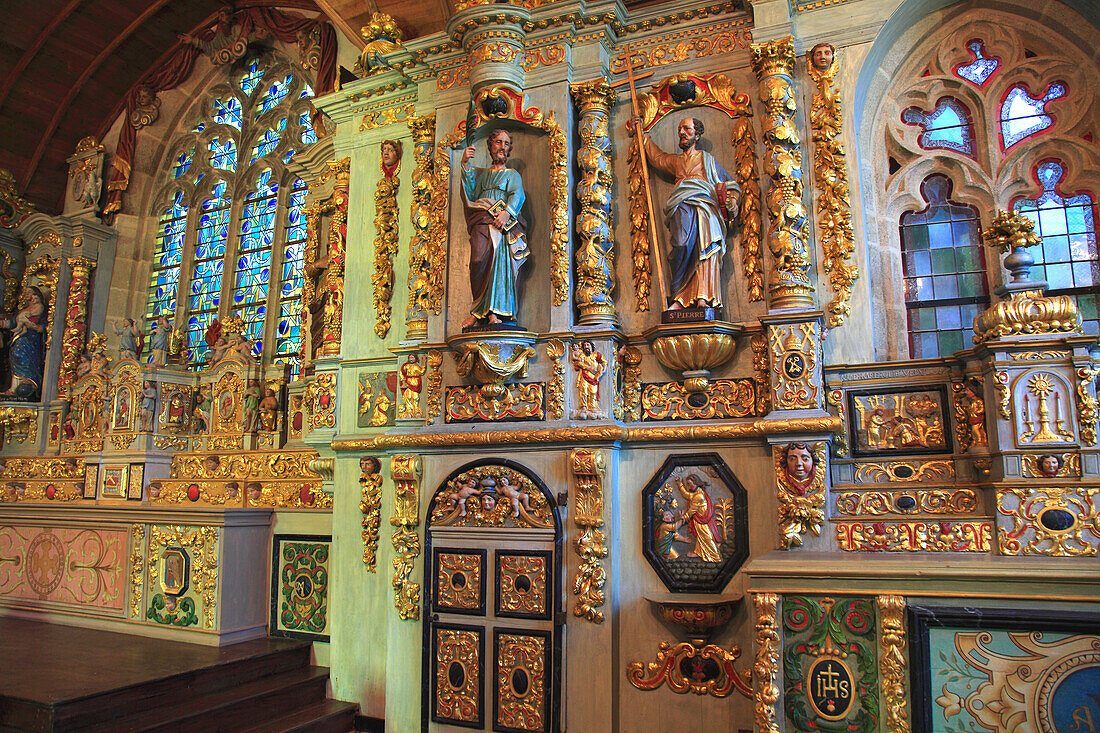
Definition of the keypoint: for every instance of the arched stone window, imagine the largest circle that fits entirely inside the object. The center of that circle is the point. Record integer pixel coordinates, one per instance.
(945, 283)
(979, 95)
(231, 228)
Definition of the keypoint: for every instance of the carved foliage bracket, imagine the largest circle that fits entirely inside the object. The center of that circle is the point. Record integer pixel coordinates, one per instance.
(589, 469)
(406, 471)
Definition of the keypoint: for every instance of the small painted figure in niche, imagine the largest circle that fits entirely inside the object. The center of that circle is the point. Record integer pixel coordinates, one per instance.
(148, 405)
(158, 341)
(412, 381)
(799, 462)
(699, 518)
(130, 339)
(176, 415)
(1049, 464)
(382, 405)
(463, 491)
(391, 157)
(122, 410)
(492, 198)
(514, 495)
(86, 183)
(666, 535)
(704, 203)
(250, 417)
(27, 351)
(822, 56)
(269, 408)
(590, 366)
(199, 420)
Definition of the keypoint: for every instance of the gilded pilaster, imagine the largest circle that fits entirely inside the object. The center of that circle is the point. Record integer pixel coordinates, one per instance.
(589, 469)
(416, 314)
(370, 479)
(789, 285)
(76, 323)
(892, 665)
(385, 241)
(834, 209)
(595, 257)
(405, 472)
(765, 668)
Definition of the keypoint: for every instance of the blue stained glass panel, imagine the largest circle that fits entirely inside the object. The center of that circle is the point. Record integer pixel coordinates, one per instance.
(223, 155)
(981, 68)
(183, 163)
(946, 127)
(251, 78)
(228, 112)
(309, 135)
(275, 94)
(1023, 115)
(267, 142)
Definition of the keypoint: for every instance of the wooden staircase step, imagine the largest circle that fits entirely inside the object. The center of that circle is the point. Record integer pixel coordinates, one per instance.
(92, 710)
(327, 716)
(230, 709)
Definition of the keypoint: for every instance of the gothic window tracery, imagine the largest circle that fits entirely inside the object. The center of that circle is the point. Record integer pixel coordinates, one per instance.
(984, 102)
(948, 126)
(231, 230)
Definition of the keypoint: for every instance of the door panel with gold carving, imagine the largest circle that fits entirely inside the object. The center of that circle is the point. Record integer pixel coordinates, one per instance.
(492, 651)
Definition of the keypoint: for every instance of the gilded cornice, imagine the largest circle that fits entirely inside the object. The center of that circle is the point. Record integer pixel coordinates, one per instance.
(596, 434)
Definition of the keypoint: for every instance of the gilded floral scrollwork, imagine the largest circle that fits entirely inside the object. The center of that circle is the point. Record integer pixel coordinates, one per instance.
(1088, 407)
(516, 402)
(1027, 312)
(1000, 383)
(969, 415)
(424, 188)
(630, 406)
(773, 63)
(794, 365)
(930, 536)
(589, 468)
(201, 543)
(1058, 522)
(744, 152)
(137, 568)
(76, 323)
(321, 401)
(595, 263)
(491, 496)
(555, 389)
(435, 384)
(907, 501)
(370, 479)
(834, 211)
(673, 659)
(892, 665)
(406, 471)
(765, 668)
(385, 241)
(725, 398)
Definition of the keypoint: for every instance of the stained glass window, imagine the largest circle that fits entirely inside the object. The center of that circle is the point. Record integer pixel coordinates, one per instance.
(1023, 115)
(228, 112)
(946, 127)
(223, 154)
(944, 270)
(218, 258)
(288, 337)
(167, 255)
(275, 94)
(206, 275)
(183, 163)
(978, 71)
(1067, 258)
(251, 78)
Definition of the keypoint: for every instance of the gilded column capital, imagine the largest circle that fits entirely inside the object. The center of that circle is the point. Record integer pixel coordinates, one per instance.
(81, 263)
(596, 94)
(773, 57)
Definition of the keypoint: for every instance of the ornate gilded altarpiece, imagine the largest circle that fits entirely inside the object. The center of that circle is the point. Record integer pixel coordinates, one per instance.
(300, 586)
(991, 669)
(899, 422)
(695, 523)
